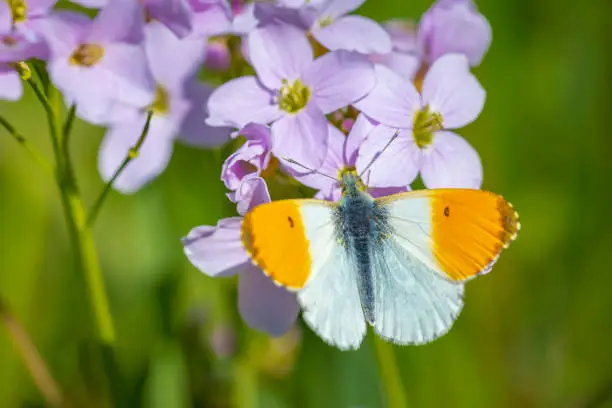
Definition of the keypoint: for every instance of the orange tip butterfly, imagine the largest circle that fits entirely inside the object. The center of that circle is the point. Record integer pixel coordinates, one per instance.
(398, 263)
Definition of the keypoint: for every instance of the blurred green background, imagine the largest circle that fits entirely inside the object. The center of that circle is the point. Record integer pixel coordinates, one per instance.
(534, 333)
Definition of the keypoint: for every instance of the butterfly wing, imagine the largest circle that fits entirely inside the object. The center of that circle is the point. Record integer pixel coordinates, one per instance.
(412, 303)
(436, 240)
(295, 243)
(288, 239)
(459, 233)
(330, 302)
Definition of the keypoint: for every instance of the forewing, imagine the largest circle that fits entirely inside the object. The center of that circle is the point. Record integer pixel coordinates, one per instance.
(295, 243)
(458, 232)
(289, 239)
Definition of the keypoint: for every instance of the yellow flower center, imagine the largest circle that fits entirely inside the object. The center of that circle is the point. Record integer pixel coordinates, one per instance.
(325, 21)
(293, 97)
(19, 10)
(87, 55)
(161, 103)
(425, 124)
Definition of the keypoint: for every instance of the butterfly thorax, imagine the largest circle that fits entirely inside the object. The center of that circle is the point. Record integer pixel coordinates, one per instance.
(351, 184)
(360, 224)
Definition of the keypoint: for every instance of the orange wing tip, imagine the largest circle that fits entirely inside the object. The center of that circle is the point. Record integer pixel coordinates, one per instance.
(511, 225)
(246, 237)
(463, 250)
(265, 272)
(510, 221)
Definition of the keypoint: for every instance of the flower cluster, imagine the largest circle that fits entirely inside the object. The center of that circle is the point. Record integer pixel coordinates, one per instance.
(340, 93)
(297, 81)
(134, 57)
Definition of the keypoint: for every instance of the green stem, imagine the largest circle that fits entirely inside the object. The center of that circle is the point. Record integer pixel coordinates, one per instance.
(51, 118)
(80, 233)
(40, 95)
(67, 128)
(82, 241)
(38, 158)
(81, 236)
(131, 155)
(391, 379)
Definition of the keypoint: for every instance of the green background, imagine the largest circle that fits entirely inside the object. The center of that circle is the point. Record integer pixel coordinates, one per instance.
(536, 332)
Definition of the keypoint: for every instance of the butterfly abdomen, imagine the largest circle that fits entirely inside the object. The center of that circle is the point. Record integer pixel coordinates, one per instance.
(357, 223)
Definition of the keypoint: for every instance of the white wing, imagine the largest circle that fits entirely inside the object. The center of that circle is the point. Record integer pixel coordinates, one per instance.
(331, 304)
(311, 261)
(330, 299)
(413, 304)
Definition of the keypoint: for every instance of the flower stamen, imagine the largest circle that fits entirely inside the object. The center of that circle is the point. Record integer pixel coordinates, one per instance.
(161, 103)
(87, 55)
(293, 97)
(8, 40)
(325, 21)
(425, 124)
(19, 10)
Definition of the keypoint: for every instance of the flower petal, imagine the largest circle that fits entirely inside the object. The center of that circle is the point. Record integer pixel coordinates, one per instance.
(250, 158)
(194, 130)
(338, 79)
(152, 159)
(302, 137)
(119, 21)
(272, 14)
(10, 85)
(40, 8)
(91, 3)
(451, 162)
(257, 132)
(405, 65)
(354, 33)
(176, 15)
(450, 89)
(22, 48)
(333, 163)
(403, 34)
(263, 305)
(279, 52)
(377, 192)
(244, 20)
(6, 22)
(122, 76)
(211, 18)
(217, 251)
(454, 27)
(172, 60)
(360, 130)
(393, 101)
(253, 191)
(393, 165)
(63, 31)
(338, 8)
(241, 101)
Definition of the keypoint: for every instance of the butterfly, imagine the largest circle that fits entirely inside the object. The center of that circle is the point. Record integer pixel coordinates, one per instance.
(397, 263)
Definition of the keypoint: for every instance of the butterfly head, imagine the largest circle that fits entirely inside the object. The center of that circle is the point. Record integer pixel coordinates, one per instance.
(350, 182)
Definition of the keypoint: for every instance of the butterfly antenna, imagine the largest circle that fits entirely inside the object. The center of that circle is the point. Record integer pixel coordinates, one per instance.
(378, 154)
(287, 159)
